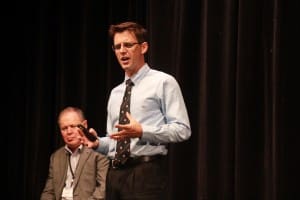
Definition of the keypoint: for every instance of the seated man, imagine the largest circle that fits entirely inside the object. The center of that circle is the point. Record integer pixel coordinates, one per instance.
(75, 171)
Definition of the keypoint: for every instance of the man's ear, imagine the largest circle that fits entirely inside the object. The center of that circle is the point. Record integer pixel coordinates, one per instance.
(144, 46)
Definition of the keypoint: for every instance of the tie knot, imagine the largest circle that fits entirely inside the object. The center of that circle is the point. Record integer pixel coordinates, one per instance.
(129, 82)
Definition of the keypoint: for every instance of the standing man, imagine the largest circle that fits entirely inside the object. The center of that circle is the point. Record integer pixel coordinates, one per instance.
(155, 115)
(76, 172)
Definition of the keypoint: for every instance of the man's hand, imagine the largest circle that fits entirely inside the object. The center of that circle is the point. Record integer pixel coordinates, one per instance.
(91, 137)
(87, 142)
(131, 130)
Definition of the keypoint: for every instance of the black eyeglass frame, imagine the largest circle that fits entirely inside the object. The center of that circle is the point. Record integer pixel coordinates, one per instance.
(127, 45)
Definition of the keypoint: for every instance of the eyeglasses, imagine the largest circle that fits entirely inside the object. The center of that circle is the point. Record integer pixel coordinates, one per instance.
(126, 45)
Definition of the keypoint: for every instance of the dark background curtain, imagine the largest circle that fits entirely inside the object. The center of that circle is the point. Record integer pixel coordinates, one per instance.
(236, 62)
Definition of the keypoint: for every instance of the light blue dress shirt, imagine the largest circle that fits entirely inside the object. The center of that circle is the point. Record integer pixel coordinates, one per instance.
(158, 105)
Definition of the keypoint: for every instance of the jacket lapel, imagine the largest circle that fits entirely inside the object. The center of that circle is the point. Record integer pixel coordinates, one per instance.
(63, 165)
(82, 160)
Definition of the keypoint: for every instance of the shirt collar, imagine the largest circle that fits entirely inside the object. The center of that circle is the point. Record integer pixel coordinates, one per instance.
(139, 75)
(79, 149)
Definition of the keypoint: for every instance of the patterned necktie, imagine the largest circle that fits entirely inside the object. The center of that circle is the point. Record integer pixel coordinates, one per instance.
(123, 145)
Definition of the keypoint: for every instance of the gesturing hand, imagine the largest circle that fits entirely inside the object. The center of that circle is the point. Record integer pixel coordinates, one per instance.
(132, 129)
(88, 143)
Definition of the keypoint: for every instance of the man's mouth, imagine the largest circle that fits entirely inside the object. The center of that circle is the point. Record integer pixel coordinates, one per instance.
(125, 58)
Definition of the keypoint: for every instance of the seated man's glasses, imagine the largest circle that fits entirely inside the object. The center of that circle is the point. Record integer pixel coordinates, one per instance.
(126, 45)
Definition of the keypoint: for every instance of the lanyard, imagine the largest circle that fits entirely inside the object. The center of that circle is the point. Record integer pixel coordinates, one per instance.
(70, 166)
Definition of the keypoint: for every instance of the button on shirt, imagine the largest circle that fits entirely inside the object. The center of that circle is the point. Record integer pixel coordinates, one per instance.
(158, 105)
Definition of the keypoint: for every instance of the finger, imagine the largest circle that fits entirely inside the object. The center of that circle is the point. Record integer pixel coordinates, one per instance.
(82, 140)
(118, 135)
(93, 131)
(80, 132)
(123, 127)
(128, 115)
(119, 126)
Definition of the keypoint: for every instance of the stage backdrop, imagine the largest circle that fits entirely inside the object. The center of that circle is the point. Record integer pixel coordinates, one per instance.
(234, 60)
